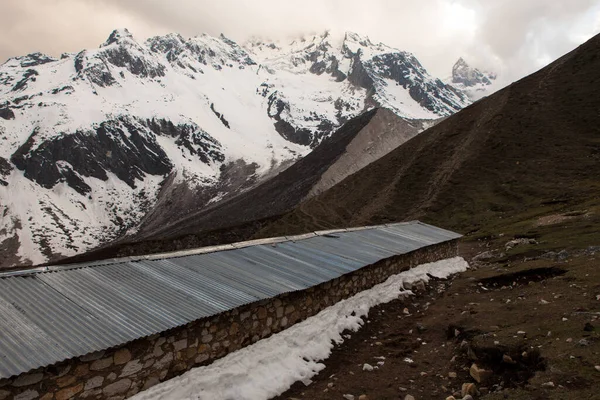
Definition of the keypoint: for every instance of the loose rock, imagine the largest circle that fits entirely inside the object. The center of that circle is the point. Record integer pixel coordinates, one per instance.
(479, 374)
(508, 359)
(468, 388)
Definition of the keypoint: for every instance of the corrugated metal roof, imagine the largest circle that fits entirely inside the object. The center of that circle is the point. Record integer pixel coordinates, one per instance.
(53, 314)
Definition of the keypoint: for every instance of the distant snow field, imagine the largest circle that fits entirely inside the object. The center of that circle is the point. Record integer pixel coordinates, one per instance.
(270, 367)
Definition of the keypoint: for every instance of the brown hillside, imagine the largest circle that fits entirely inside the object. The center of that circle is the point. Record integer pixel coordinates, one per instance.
(531, 146)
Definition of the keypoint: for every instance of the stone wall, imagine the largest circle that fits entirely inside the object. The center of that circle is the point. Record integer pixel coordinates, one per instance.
(121, 372)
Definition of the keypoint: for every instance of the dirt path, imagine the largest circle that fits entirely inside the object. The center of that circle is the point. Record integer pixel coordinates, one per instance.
(533, 324)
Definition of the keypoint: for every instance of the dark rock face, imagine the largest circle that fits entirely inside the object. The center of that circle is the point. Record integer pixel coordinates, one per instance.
(181, 52)
(28, 76)
(98, 73)
(288, 132)
(408, 72)
(170, 45)
(463, 74)
(124, 146)
(66, 89)
(331, 67)
(119, 146)
(5, 169)
(190, 136)
(6, 112)
(127, 54)
(34, 59)
(359, 76)
(123, 57)
(219, 115)
(283, 127)
(116, 36)
(334, 70)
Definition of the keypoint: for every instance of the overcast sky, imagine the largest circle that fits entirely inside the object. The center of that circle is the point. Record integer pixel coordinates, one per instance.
(512, 37)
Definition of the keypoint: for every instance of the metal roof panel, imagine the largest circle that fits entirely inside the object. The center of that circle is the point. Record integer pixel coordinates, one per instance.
(70, 311)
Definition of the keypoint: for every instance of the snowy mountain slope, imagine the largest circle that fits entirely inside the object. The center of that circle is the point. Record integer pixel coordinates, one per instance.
(96, 142)
(364, 73)
(472, 81)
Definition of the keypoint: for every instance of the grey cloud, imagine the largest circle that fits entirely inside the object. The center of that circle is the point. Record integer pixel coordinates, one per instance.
(512, 36)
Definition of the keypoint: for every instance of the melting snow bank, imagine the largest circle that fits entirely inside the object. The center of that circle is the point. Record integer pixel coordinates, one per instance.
(269, 367)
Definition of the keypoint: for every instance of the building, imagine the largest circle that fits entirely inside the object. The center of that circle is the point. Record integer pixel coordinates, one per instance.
(113, 328)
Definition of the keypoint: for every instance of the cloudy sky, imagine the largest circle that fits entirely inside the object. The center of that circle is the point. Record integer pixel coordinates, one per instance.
(512, 37)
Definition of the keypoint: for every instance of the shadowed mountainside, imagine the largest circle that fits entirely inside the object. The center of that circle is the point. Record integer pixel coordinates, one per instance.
(528, 148)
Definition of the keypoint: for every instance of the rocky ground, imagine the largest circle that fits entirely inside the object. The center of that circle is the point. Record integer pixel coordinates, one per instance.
(518, 326)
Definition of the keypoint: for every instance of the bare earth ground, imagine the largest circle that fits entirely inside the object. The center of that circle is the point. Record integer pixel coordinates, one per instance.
(542, 311)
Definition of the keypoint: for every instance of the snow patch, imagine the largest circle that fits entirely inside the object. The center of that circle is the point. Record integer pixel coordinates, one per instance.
(269, 367)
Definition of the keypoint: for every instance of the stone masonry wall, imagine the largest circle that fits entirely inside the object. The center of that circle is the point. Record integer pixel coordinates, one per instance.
(122, 372)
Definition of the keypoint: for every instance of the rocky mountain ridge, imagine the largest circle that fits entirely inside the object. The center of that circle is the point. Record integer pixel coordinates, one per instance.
(96, 143)
(474, 82)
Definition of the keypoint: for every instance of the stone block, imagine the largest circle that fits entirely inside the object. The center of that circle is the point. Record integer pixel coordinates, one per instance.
(222, 334)
(65, 381)
(151, 381)
(203, 348)
(180, 344)
(164, 362)
(91, 393)
(63, 370)
(201, 358)
(27, 395)
(122, 356)
(69, 393)
(131, 368)
(94, 383)
(158, 351)
(81, 370)
(101, 364)
(190, 352)
(262, 313)
(28, 379)
(92, 356)
(119, 387)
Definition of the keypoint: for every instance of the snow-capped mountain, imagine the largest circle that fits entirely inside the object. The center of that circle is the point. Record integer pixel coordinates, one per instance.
(472, 81)
(94, 143)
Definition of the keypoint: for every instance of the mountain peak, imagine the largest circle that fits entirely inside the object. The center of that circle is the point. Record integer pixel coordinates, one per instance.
(464, 74)
(461, 63)
(116, 36)
(355, 37)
